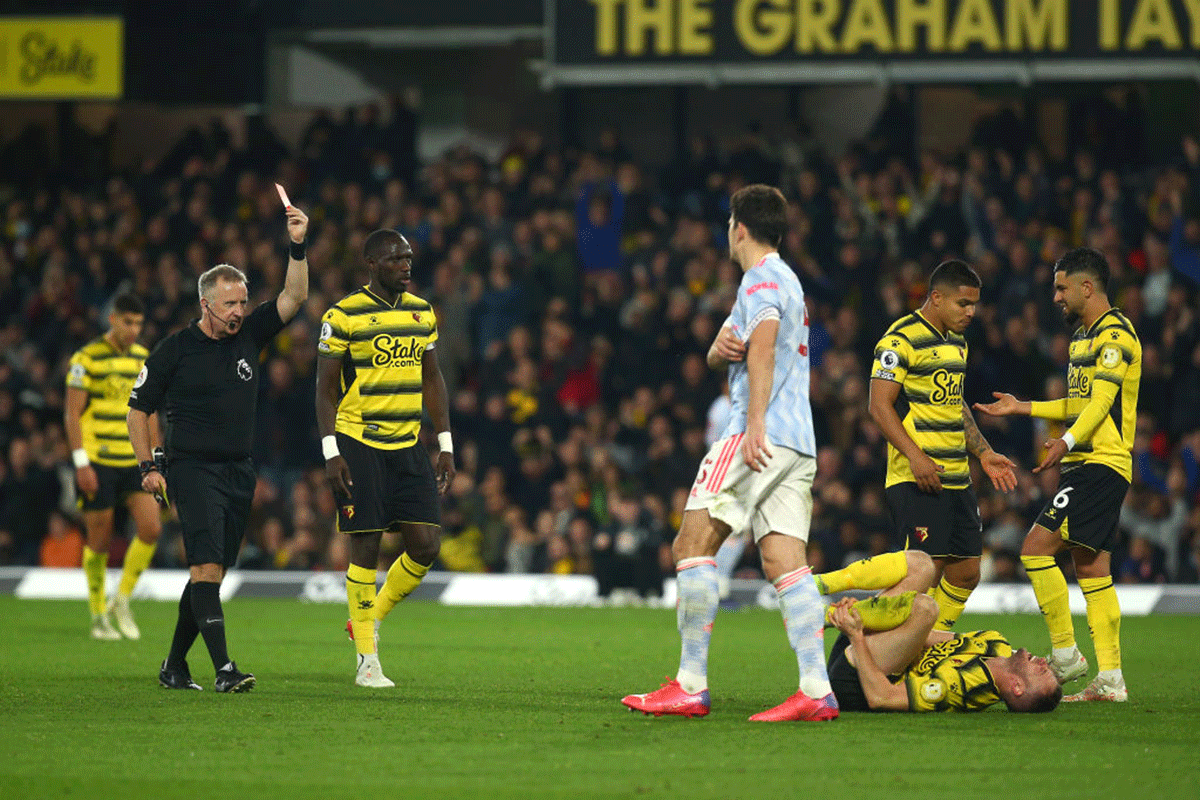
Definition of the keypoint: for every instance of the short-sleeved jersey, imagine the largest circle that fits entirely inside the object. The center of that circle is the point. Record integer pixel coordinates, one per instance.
(1107, 351)
(770, 290)
(107, 375)
(952, 676)
(930, 367)
(380, 347)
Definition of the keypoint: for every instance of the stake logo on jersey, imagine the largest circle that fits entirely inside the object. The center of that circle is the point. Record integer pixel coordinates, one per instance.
(109, 377)
(931, 369)
(381, 348)
(951, 675)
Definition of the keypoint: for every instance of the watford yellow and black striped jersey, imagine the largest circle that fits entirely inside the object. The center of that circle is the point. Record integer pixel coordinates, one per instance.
(380, 347)
(951, 675)
(107, 375)
(1108, 351)
(930, 367)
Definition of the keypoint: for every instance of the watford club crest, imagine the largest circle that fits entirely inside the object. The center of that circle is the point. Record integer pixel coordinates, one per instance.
(416, 316)
(922, 533)
(348, 511)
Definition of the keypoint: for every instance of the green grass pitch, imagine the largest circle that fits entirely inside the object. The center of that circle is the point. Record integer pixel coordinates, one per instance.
(523, 703)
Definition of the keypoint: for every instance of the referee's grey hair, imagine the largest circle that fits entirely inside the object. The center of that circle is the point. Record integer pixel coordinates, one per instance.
(221, 272)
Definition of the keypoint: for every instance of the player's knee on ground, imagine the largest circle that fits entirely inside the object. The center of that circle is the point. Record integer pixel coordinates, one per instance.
(921, 569)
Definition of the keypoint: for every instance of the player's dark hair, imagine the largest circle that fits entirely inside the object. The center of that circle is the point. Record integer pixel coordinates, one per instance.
(128, 303)
(379, 241)
(952, 274)
(763, 210)
(1035, 704)
(1085, 259)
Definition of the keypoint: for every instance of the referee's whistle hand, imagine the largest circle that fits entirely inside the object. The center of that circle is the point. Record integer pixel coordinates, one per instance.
(155, 484)
(337, 472)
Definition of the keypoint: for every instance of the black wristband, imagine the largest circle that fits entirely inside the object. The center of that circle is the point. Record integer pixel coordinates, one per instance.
(146, 467)
(296, 251)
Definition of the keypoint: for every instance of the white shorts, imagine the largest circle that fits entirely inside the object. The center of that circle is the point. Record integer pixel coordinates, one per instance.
(776, 500)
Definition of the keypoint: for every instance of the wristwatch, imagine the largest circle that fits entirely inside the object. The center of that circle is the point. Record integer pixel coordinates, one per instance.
(147, 467)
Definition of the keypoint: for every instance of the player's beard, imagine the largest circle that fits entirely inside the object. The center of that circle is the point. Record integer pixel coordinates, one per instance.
(1072, 317)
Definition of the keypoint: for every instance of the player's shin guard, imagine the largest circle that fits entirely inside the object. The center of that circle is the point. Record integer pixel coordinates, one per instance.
(951, 601)
(360, 597)
(93, 569)
(1050, 587)
(803, 615)
(137, 559)
(404, 576)
(877, 572)
(1104, 620)
(695, 610)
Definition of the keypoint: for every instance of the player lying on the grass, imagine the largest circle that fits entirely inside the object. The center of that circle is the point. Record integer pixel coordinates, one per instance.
(889, 658)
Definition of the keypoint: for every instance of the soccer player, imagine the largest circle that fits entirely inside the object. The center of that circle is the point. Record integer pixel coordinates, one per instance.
(99, 379)
(928, 482)
(758, 476)
(1100, 412)
(912, 667)
(378, 368)
(205, 378)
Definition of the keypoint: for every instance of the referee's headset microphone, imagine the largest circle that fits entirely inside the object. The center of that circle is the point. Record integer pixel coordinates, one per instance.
(208, 308)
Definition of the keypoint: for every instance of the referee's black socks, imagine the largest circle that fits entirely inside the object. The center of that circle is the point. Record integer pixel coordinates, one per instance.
(210, 619)
(185, 630)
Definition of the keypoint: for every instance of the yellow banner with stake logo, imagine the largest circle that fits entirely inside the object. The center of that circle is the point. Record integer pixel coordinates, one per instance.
(62, 57)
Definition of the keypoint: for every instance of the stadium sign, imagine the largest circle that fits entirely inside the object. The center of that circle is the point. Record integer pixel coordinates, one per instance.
(63, 58)
(764, 41)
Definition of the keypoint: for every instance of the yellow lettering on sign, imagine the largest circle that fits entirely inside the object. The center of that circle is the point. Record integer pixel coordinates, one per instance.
(1110, 23)
(1193, 9)
(695, 21)
(814, 25)
(762, 26)
(606, 26)
(866, 24)
(931, 14)
(62, 57)
(974, 23)
(648, 17)
(1036, 24)
(1153, 21)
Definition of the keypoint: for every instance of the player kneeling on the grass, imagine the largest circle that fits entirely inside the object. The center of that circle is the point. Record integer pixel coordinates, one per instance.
(758, 475)
(99, 380)
(378, 368)
(890, 658)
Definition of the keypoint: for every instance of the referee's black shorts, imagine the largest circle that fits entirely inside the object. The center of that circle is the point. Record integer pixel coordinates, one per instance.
(944, 525)
(391, 487)
(1086, 509)
(212, 499)
(115, 484)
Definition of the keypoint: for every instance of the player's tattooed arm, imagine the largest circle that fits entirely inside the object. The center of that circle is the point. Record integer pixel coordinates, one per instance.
(977, 445)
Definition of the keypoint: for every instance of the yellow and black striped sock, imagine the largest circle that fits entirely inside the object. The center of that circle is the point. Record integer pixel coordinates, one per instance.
(404, 576)
(137, 558)
(1104, 620)
(94, 565)
(951, 601)
(876, 572)
(1050, 587)
(360, 597)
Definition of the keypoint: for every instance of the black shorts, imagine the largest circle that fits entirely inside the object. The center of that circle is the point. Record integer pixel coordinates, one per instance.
(116, 484)
(212, 499)
(1087, 507)
(944, 525)
(843, 677)
(391, 487)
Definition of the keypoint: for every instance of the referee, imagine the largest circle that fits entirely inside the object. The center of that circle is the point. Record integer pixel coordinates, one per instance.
(205, 379)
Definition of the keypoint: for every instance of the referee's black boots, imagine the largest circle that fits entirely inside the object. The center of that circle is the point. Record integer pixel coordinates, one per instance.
(172, 678)
(229, 679)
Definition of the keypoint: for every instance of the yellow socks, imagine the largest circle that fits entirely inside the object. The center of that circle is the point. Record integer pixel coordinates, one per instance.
(1050, 587)
(1104, 620)
(882, 612)
(877, 572)
(137, 558)
(360, 596)
(951, 600)
(404, 576)
(93, 569)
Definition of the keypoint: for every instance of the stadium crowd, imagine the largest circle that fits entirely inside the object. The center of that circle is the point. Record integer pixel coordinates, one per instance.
(576, 293)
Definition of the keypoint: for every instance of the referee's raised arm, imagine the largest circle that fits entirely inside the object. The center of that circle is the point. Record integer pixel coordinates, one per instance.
(295, 283)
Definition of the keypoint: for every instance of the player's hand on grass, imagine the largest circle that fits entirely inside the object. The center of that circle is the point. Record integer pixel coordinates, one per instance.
(1055, 450)
(445, 471)
(86, 480)
(337, 472)
(754, 446)
(1004, 405)
(730, 346)
(1001, 469)
(925, 472)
